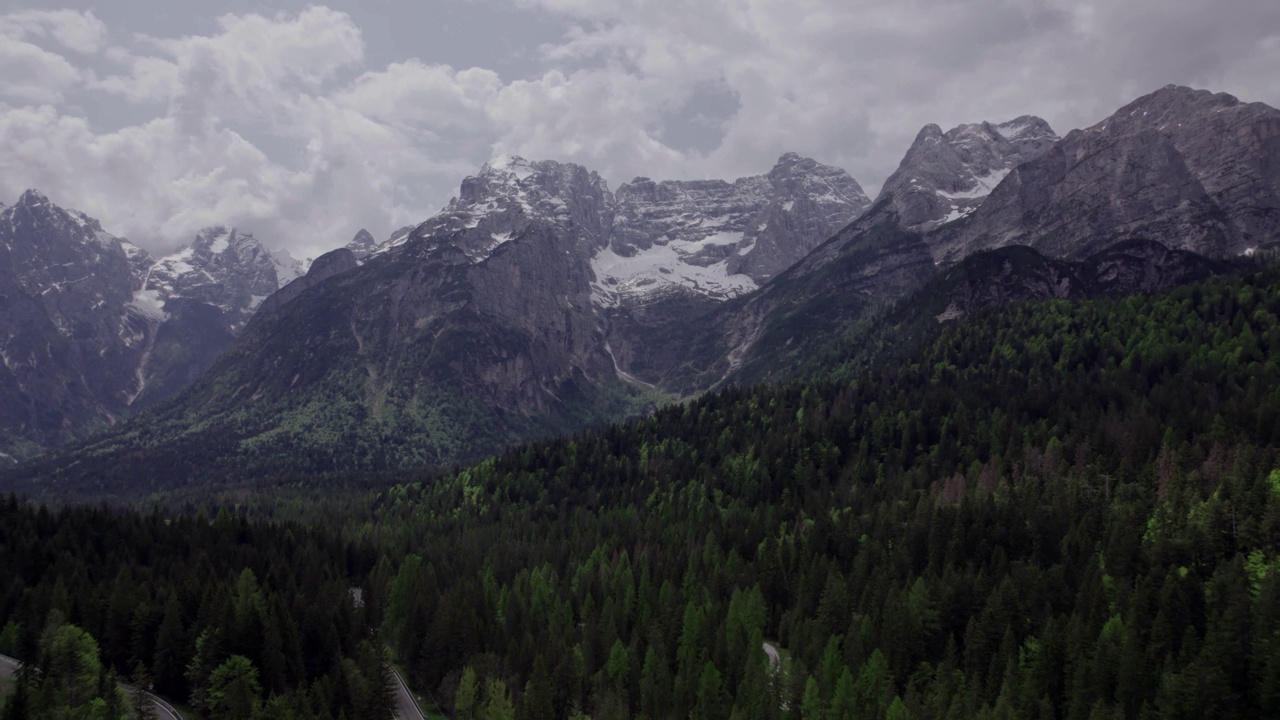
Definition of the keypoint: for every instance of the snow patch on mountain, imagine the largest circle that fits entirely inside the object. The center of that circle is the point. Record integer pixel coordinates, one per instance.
(658, 271)
(288, 268)
(982, 186)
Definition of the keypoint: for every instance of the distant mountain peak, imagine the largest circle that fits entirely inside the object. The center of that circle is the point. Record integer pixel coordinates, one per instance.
(946, 175)
(721, 239)
(508, 195)
(31, 198)
(509, 165)
(362, 244)
(1025, 127)
(224, 267)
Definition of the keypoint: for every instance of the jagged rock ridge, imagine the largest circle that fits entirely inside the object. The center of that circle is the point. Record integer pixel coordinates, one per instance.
(649, 239)
(1197, 170)
(946, 176)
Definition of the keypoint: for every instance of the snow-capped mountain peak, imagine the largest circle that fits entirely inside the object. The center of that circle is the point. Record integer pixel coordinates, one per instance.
(707, 237)
(223, 267)
(506, 196)
(509, 166)
(945, 176)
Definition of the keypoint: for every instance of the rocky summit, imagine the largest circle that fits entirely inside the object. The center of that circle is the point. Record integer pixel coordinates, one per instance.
(946, 176)
(223, 267)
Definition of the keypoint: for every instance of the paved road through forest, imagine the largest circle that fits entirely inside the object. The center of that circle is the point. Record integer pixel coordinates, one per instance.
(406, 707)
(164, 711)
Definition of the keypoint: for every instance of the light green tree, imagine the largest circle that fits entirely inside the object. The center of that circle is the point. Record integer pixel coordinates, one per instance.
(234, 690)
(464, 702)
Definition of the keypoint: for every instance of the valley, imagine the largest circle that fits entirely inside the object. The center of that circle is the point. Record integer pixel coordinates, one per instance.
(1003, 441)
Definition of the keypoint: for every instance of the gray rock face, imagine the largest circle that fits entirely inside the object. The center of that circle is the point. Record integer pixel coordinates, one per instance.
(722, 239)
(945, 176)
(1192, 169)
(334, 262)
(808, 203)
(69, 339)
(511, 194)
(507, 266)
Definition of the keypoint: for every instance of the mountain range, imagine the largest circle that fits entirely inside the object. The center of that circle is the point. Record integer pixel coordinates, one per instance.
(539, 301)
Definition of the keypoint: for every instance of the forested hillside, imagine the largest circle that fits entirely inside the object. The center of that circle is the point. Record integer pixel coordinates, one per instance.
(1058, 510)
(236, 620)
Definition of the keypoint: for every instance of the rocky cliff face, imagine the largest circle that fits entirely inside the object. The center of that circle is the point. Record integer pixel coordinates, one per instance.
(1196, 170)
(490, 298)
(69, 338)
(334, 262)
(720, 239)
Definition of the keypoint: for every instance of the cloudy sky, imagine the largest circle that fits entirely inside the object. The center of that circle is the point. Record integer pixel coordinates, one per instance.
(305, 122)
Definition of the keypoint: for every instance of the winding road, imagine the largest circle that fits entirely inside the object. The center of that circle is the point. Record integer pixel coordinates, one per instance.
(406, 707)
(164, 711)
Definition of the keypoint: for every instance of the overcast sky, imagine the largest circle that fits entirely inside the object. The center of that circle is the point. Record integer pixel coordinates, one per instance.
(306, 122)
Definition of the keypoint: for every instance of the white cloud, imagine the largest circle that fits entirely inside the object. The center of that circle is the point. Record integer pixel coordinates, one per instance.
(80, 32)
(150, 79)
(159, 181)
(414, 96)
(256, 68)
(30, 74)
(279, 123)
(851, 82)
